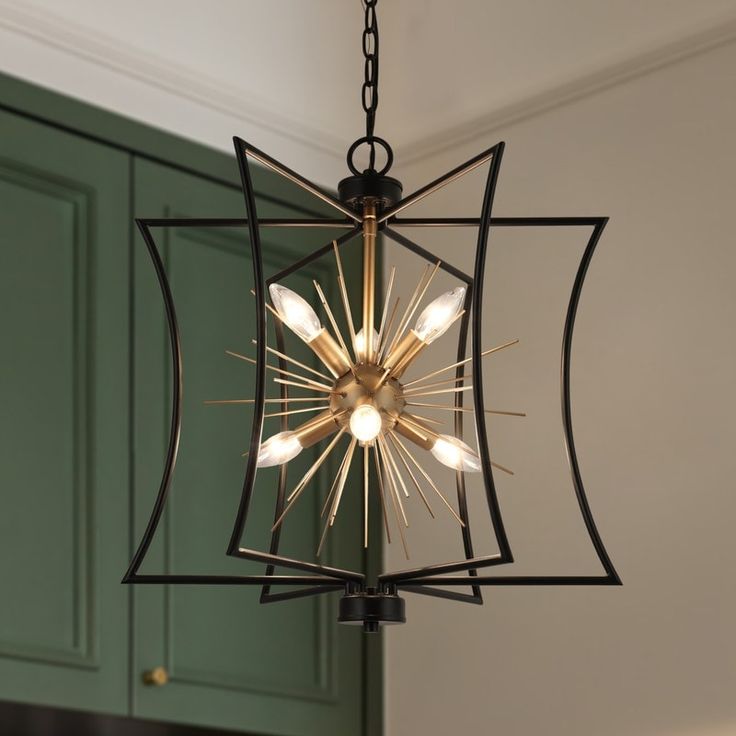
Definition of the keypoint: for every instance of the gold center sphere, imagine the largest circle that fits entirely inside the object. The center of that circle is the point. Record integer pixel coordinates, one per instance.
(365, 387)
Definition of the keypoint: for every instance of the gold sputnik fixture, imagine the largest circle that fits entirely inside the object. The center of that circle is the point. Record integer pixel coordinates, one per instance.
(363, 397)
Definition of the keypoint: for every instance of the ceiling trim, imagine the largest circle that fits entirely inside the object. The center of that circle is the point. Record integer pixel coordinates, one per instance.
(481, 127)
(105, 51)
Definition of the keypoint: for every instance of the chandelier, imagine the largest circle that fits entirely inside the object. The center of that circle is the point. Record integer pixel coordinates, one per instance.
(360, 405)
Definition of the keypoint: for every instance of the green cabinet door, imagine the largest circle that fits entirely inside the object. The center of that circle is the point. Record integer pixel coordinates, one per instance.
(64, 424)
(282, 668)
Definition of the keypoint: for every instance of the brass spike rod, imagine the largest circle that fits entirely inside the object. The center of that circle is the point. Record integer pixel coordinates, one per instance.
(383, 341)
(418, 392)
(341, 487)
(293, 411)
(417, 302)
(272, 310)
(387, 451)
(334, 483)
(422, 278)
(384, 313)
(426, 476)
(307, 386)
(503, 468)
(392, 481)
(429, 420)
(461, 362)
(414, 480)
(390, 368)
(393, 496)
(440, 406)
(333, 322)
(294, 361)
(266, 401)
(276, 369)
(342, 475)
(294, 495)
(382, 493)
(366, 460)
(441, 383)
(345, 300)
(316, 465)
(448, 407)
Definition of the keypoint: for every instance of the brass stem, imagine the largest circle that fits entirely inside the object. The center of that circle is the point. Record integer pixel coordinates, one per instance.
(369, 275)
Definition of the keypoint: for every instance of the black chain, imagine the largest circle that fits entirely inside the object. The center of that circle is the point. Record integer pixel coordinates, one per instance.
(369, 91)
(369, 96)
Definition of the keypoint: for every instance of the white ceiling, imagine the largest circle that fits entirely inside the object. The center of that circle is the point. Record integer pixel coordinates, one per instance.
(286, 73)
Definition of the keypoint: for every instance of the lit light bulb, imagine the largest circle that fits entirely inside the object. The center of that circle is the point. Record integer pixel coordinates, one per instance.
(438, 315)
(278, 449)
(455, 454)
(360, 343)
(295, 312)
(365, 423)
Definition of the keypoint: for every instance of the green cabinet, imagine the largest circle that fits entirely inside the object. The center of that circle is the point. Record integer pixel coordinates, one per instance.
(85, 380)
(278, 668)
(64, 426)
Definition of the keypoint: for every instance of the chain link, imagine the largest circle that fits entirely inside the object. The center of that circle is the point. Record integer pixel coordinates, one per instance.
(369, 96)
(369, 91)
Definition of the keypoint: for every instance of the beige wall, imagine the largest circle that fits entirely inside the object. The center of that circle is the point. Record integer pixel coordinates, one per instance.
(654, 412)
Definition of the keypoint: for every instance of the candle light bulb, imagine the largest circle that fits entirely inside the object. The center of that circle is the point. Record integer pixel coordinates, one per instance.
(438, 315)
(278, 449)
(295, 312)
(360, 343)
(455, 454)
(365, 423)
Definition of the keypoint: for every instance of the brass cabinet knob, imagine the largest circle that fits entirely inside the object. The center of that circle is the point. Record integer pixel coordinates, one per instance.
(157, 677)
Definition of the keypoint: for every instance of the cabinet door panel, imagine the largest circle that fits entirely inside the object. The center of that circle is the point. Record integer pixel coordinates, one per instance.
(64, 234)
(283, 668)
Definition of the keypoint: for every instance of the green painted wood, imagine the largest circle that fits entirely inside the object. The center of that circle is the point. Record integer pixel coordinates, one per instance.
(64, 204)
(284, 668)
(114, 130)
(81, 124)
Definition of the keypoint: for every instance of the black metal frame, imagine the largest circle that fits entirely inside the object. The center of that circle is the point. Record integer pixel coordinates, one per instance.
(320, 578)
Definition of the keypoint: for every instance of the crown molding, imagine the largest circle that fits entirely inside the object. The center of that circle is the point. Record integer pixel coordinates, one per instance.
(80, 41)
(670, 52)
(259, 116)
